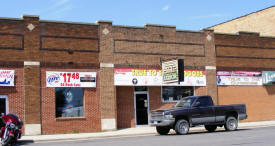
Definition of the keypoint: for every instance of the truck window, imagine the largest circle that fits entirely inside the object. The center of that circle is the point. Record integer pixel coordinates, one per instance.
(185, 102)
(204, 101)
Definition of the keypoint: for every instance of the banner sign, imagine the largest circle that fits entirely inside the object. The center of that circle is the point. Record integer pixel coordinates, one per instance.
(153, 77)
(170, 71)
(239, 78)
(268, 77)
(6, 77)
(70, 79)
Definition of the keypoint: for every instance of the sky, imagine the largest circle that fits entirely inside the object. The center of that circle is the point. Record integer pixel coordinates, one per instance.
(184, 14)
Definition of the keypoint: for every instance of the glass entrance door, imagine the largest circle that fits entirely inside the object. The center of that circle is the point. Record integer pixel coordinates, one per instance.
(3, 104)
(141, 106)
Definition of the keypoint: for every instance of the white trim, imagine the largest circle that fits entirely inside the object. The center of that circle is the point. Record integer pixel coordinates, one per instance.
(7, 102)
(32, 129)
(107, 65)
(33, 63)
(108, 124)
(148, 106)
(210, 67)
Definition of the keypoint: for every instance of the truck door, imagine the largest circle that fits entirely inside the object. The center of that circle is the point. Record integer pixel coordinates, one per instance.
(204, 113)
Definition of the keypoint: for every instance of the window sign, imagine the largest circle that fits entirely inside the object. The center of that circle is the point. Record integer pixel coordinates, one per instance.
(6, 77)
(70, 79)
(69, 102)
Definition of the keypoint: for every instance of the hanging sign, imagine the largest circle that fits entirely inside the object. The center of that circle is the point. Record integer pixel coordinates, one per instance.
(170, 71)
(239, 78)
(6, 77)
(153, 77)
(70, 79)
(268, 77)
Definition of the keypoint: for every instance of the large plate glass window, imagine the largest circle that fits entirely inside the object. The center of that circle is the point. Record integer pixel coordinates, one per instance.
(176, 93)
(69, 102)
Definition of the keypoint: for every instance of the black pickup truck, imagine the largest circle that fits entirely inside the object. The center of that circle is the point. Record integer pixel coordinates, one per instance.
(197, 110)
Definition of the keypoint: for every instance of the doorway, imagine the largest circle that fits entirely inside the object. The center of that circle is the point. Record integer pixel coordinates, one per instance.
(141, 107)
(4, 104)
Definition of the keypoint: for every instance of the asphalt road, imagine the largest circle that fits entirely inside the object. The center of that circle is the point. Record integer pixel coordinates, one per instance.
(264, 136)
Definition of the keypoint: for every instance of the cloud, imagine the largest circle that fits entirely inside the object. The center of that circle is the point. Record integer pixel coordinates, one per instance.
(165, 8)
(206, 16)
(58, 9)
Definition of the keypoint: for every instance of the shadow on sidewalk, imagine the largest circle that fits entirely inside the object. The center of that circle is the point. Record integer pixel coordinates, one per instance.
(203, 132)
(24, 142)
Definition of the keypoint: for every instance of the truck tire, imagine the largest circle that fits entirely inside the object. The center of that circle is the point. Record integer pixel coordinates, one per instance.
(231, 123)
(182, 127)
(210, 128)
(162, 130)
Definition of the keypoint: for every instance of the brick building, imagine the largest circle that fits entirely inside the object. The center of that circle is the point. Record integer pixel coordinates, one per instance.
(262, 21)
(122, 67)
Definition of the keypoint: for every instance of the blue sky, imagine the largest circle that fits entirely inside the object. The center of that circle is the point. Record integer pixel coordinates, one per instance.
(184, 14)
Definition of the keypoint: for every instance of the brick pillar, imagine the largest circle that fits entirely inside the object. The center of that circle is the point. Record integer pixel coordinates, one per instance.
(32, 76)
(107, 88)
(210, 54)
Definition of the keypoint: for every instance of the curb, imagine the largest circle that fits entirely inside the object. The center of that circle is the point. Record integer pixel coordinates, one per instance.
(131, 132)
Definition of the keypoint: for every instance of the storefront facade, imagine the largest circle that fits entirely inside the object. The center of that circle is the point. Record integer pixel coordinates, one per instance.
(98, 77)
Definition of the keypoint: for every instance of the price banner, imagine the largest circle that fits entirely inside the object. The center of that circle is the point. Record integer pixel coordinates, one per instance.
(70, 79)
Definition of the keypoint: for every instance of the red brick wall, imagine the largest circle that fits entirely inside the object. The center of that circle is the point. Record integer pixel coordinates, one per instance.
(125, 107)
(15, 93)
(259, 100)
(89, 123)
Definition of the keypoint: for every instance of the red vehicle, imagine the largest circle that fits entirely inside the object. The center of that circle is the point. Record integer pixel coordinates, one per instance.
(11, 127)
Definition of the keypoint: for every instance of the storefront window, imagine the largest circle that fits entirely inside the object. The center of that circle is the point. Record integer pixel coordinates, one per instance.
(69, 102)
(176, 93)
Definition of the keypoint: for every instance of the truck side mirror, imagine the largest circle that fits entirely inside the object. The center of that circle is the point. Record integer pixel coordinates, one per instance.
(196, 104)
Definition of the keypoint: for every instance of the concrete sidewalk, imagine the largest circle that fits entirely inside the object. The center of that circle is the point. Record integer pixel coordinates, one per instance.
(139, 131)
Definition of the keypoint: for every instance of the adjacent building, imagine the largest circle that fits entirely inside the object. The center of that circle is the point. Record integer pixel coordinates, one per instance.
(262, 21)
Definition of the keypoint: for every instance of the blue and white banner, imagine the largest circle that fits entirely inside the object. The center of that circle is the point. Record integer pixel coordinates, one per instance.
(6, 77)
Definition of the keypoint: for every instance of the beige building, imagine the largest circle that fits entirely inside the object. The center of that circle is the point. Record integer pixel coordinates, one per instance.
(262, 21)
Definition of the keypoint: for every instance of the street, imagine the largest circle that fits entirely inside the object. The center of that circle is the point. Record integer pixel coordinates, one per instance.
(242, 137)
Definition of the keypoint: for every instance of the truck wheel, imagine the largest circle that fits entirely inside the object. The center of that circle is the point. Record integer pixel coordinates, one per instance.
(182, 127)
(210, 128)
(162, 130)
(231, 123)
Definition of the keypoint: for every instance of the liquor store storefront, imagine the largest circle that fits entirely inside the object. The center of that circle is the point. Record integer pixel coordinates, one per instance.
(255, 89)
(139, 91)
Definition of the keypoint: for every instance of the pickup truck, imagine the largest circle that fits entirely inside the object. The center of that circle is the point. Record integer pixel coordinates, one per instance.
(192, 111)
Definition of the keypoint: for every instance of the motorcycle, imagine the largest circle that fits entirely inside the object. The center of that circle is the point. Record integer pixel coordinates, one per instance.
(10, 130)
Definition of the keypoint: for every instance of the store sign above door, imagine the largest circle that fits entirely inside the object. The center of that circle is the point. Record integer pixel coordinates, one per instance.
(6, 77)
(239, 78)
(153, 77)
(70, 79)
(268, 77)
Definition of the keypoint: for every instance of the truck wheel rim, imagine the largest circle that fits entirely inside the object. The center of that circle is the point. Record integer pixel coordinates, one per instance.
(183, 127)
(232, 124)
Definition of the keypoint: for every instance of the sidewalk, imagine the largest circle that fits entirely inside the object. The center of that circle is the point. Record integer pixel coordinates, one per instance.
(139, 131)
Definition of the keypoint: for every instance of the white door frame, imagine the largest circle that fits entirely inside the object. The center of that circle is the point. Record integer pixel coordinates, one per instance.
(148, 105)
(7, 102)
